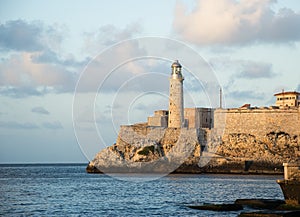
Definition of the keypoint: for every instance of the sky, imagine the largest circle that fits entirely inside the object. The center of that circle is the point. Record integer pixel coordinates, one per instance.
(71, 71)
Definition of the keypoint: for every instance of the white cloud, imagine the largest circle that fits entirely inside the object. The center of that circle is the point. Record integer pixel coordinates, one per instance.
(20, 72)
(236, 22)
(107, 35)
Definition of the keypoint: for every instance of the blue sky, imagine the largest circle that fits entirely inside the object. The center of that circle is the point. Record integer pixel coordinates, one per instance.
(253, 47)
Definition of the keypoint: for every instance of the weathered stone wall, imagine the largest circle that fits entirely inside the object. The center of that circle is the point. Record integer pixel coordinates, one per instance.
(199, 117)
(158, 121)
(258, 122)
(138, 135)
(268, 137)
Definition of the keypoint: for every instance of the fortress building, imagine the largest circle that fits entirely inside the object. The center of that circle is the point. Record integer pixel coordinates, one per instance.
(287, 99)
(283, 116)
(226, 140)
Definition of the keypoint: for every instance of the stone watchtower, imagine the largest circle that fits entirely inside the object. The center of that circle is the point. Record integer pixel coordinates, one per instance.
(176, 111)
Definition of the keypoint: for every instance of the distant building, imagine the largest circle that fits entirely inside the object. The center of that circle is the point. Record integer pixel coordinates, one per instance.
(288, 99)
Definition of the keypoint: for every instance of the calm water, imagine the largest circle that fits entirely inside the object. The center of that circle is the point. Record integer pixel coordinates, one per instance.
(66, 190)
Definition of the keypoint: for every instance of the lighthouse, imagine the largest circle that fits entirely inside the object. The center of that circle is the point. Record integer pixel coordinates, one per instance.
(176, 111)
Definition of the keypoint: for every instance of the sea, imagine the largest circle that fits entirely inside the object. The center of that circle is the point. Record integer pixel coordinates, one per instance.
(67, 190)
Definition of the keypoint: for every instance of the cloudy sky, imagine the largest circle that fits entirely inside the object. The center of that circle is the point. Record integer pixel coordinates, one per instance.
(49, 47)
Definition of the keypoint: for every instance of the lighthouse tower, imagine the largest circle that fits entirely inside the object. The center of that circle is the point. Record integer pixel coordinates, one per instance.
(176, 115)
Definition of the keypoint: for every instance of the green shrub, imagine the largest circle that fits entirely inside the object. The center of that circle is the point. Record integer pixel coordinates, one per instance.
(146, 150)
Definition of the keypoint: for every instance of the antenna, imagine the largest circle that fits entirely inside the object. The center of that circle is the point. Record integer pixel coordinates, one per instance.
(282, 97)
(220, 97)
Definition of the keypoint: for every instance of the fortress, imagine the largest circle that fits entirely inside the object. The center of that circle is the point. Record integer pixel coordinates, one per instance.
(284, 116)
(245, 139)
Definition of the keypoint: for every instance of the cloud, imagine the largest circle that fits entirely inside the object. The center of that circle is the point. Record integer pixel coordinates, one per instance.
(51, 57)
(21, 92)
(245, 94)
(33, 62)
(255, 70)
(241, 68)
(52, 125)
(37, 69)
(236, 22)
(40, 110)
(20, 35)
(21, 77)
(17, 125)
(108, 35)
(128, 75)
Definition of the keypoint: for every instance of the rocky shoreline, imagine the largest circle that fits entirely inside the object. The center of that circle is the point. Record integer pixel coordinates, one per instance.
(255, 208)
(184, 169)
(144, 149)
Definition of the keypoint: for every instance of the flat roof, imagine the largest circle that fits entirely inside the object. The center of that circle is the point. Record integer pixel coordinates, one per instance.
(288, 92)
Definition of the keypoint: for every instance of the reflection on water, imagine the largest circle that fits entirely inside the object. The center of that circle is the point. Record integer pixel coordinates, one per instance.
(64, 190)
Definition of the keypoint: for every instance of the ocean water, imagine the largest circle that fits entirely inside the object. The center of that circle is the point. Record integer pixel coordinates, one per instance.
(67, 190)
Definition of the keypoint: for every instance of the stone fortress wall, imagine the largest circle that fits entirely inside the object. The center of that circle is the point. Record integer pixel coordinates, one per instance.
(265, 137)
(258, 121)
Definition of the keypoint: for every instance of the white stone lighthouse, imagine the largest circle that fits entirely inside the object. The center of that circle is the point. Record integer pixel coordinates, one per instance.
(176, 110)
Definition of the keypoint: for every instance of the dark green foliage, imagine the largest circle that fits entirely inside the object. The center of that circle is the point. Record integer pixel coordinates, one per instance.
(146, 150)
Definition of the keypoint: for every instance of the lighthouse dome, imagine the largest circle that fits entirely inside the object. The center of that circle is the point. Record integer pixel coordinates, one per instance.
(176, 64)
(176, 70)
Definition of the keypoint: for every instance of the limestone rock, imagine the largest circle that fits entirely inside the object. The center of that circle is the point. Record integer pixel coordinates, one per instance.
(140, 148)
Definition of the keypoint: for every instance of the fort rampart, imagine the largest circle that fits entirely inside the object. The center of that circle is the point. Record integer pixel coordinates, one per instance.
(258, 121)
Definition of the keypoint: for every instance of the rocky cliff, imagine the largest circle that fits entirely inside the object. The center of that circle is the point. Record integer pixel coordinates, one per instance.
(141, 148)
